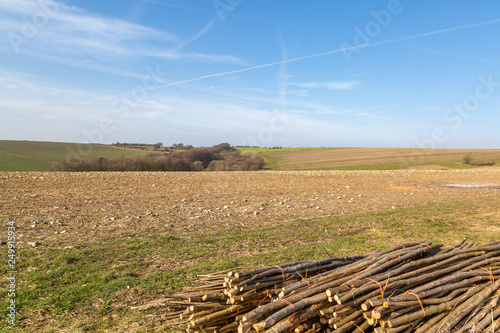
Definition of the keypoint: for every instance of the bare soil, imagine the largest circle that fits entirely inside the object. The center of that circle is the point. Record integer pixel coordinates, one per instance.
(68, 209)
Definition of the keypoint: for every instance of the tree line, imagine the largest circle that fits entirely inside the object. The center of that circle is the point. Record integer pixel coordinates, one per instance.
(221, 157)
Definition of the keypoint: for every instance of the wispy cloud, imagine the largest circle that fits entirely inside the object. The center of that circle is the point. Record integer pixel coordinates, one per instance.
(373, 107)
(71, 27)
(180, 115)
(28, 94)
(76, 34)
(315, 55)
(341, 85)
(195, 56)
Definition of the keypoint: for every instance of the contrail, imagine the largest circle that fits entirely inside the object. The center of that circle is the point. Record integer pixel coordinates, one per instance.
(199, 34)
(247, 69)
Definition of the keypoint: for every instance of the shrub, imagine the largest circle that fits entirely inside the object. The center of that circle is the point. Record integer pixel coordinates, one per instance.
(157, 146)
(198, 166)
(218, 166)
(467, 159)
(482, 163)
(204, 155)
(221, 157)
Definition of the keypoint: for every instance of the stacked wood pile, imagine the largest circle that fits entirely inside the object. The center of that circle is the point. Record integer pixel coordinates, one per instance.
(415, 287)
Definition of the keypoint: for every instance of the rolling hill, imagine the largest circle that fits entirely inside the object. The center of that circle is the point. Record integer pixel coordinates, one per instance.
(40, 155)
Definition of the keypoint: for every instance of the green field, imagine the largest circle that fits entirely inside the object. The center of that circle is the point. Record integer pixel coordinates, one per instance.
(40, 156)
(87, 288)
(291, 159)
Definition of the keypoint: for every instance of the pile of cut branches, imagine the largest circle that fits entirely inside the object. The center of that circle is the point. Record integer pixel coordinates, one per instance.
(414, 287)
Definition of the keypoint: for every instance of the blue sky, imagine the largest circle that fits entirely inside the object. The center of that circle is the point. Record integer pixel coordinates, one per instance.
(252, 72)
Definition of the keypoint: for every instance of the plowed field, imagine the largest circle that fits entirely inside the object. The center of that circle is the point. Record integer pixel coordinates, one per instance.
(131, 237)
(90, 206)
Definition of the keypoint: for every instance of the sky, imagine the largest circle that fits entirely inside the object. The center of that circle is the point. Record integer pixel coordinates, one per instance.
(325, 73)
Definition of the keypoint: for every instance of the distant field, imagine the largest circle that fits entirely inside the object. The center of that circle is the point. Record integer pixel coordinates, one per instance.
(368, 158)
(263, 150)
(39, 156)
